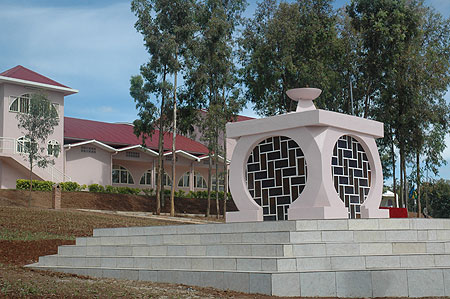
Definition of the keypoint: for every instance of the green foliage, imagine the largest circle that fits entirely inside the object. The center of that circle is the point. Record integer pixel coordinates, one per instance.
(110, 189)
(70, 187)
(166, 192)
(437, 197)
(96, 188)
(128, 190)
(20, 235)
(37, 125)
(180, 194)
(37, 185)
(289, 45)
(149, 192)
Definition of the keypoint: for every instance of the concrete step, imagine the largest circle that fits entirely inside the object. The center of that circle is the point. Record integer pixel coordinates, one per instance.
(270, 250)
(270, 264)
(361, 284)
(281, 226)
(271, 237)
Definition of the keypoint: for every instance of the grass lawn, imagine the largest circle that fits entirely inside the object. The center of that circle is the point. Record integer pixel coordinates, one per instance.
(26, 234)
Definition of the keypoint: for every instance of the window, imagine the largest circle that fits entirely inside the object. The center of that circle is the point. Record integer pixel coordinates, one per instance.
(20, 104)
(23, 144)
(167, 181)
(146, 179)
(53, 148)
(199, 181)
(88, 149)
(132, 154)
(221, 182)
(184, 180)
(120, 175)
(170, 158)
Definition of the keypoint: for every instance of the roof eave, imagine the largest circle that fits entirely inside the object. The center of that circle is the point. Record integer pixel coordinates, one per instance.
(139, 147)
(93, 141)
(65, 90)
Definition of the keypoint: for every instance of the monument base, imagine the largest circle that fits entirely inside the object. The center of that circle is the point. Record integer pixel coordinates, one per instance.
(308, 258)
(245, 216)
(317, 213)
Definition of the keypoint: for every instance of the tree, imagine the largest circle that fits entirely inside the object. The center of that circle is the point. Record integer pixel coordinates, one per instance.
(438, 195)
(37, 125)
(210, 70)
(289, 45)
(405, 73)
(167, 27)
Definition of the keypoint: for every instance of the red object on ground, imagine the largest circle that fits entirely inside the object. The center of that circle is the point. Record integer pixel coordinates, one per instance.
(397, 212)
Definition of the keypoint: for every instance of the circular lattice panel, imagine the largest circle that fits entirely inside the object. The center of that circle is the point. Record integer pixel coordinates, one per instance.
(351, 174)
(276, 175)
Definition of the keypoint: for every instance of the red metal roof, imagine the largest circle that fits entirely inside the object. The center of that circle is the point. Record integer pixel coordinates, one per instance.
(22, 73)
(122, 134)
(242, 118)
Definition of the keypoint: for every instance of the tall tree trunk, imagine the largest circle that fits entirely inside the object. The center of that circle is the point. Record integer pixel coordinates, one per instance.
(174, 134)
(401, 178)
(208, 204)
(217, 175)
(159, 186)
(419, 208)
(225, 174)
(405, 185)
(31, 184)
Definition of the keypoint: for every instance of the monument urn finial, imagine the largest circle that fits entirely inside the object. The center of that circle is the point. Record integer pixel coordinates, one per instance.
(304, 97)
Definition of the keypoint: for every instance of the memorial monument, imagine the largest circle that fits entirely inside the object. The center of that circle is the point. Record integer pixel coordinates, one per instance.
(307, 164)
(311, 167)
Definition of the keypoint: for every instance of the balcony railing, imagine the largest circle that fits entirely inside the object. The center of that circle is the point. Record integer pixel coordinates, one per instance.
(8, 145)
(12, 146)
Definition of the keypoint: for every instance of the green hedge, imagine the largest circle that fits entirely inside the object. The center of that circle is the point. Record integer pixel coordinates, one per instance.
(37, 185)
(73, 186)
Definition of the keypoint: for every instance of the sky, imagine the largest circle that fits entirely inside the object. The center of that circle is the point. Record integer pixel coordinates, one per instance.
(92, 46)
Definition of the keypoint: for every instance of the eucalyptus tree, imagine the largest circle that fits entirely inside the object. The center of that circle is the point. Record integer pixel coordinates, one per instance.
(37, 124)
(405, 51)
(289, 45)
(166, 26)
(210, 70)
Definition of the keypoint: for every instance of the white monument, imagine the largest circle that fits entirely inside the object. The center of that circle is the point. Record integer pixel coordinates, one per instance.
(308, 164)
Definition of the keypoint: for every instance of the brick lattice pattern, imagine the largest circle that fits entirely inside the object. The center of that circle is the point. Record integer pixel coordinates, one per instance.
(351, 174)
(276, 175)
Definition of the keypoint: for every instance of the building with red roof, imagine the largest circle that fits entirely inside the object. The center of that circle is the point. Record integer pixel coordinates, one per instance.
(90, 152)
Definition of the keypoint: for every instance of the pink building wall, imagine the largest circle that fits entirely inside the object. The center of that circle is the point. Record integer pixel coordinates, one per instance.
(10, 172)
(88, 168)
(9, 121)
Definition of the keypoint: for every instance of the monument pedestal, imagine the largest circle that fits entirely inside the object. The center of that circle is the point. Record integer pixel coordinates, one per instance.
(308, 258)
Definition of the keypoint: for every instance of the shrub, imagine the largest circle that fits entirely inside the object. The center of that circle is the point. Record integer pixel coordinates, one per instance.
(148, 192)
(70, 186)
(22, 184)
(180, 194)
(37, 185)
(166, 192)
(110, 189)
(96, 188)
(128, 190)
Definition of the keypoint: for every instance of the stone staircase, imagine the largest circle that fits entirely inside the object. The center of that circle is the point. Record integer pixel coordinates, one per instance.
(345, 258)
